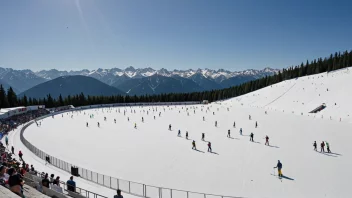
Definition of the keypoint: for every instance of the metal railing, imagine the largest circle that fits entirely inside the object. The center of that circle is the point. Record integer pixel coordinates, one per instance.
(64, 186)
(57, 163)
(133, 188)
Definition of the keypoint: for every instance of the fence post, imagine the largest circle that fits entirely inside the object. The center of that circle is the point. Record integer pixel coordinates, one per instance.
(187, 194)
(91, 176)
(129, 186)
(171, 193)
(118, 184)
(110, 182)
(103, 180)
(204, 195)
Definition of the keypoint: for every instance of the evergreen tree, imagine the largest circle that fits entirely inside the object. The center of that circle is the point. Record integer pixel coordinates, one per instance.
(4, 103)
(12, 97)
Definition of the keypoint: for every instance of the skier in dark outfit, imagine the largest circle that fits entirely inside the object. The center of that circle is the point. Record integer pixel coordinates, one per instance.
(209, 147)
(256, 124)
(322, 145)
(187, 135)
(203, 136)
(234, 124)
(228, 133)
(194, 145)
(251, 137)
(315, 145)
(279, 167)
(267, 140)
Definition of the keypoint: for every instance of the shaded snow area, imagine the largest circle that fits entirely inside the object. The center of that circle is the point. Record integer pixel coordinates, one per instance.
(154, 155)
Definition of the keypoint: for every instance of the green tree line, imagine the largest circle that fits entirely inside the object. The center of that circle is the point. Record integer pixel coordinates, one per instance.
(333, 62)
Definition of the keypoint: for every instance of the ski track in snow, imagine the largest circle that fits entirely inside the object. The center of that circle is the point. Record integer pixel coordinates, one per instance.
(153, 155)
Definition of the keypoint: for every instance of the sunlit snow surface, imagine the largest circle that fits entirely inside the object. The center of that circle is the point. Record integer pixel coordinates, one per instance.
(153, 155)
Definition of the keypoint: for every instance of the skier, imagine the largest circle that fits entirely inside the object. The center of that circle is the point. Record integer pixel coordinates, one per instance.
(234, 124)
(203, 136)
(315, 145)
(279, 167)
(128, 118)
(209, 147)
(203, 118)
(142, 119)
(187, 135)
(87, 124)
(115, 121)
(328, 147)
(322, 145)
(169, 127)
(98, 124)
(7, 141)
(240, 131)
(216, 123)
(104, 118)
(251, 137)
(194, 145)
(267, 140)
(20, 155)
(47, 160)
(135, 125)
(256, 124)
(154, 117)
(179, 133)
(12, 150)
(228, 133)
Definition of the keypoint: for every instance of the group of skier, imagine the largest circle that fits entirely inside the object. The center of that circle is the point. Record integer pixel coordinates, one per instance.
(322, 146)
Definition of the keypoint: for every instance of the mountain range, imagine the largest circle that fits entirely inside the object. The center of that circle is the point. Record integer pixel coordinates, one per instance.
(71, 85)
(139, 81)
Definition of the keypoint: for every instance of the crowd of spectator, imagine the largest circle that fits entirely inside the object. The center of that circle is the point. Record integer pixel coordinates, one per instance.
(12, 171)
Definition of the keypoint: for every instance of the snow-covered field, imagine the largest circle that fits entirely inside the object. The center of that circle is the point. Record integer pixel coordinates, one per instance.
(153, 155)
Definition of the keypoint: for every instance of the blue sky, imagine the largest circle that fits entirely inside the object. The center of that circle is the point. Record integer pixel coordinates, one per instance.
(178, 34)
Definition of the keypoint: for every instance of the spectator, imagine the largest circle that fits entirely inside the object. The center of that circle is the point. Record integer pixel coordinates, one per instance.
(118, 191)
(32, 168)
(15, 182)
(27, 167)
(3, 175)
(45, 181)
(52, 178)
(22, 171)
(57, 181)
(20, 155)
(71, 185)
